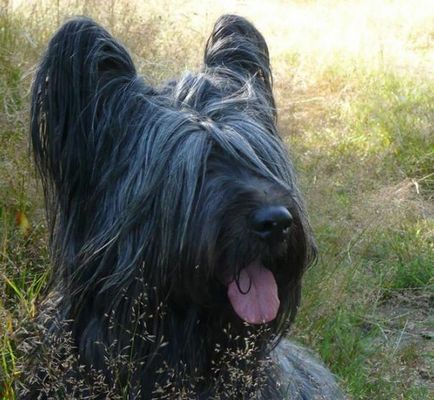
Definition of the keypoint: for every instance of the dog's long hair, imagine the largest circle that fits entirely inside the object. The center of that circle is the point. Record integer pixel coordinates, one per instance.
(148, 191)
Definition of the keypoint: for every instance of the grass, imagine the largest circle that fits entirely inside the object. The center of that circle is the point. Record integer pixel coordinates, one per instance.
(355, 91)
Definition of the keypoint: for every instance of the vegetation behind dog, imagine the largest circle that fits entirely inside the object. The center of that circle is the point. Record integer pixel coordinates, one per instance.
(355, 89)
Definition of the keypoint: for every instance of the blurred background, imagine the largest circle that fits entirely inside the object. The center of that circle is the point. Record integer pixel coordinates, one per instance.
(354, 82)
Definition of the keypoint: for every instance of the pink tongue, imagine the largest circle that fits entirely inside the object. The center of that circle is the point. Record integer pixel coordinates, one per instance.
(257, 302)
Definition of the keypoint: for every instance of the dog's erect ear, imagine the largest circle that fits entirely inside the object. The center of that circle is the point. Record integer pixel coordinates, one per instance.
(83, 67)
(236, 44)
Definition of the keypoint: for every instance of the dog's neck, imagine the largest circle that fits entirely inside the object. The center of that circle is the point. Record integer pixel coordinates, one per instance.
(187, 351)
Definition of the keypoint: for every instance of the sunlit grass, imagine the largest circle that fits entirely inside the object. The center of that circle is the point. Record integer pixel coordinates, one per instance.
(355, 91)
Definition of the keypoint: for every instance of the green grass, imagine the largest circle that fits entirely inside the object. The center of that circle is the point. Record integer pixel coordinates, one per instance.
(357, 110)
(407, 256)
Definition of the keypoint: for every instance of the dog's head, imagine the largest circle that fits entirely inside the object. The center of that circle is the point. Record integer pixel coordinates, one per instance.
(186, 190)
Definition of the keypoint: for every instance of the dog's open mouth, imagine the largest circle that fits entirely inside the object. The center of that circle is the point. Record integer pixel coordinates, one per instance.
(254, 295)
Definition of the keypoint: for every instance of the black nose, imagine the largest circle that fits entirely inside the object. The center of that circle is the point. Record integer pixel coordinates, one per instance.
(271, 222)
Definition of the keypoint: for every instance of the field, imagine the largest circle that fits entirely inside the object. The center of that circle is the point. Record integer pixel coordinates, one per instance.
(354, 82)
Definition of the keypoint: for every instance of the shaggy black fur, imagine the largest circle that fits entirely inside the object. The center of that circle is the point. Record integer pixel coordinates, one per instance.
(160, 202)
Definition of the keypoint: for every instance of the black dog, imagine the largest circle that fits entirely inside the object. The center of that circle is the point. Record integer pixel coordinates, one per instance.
(179, 237)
